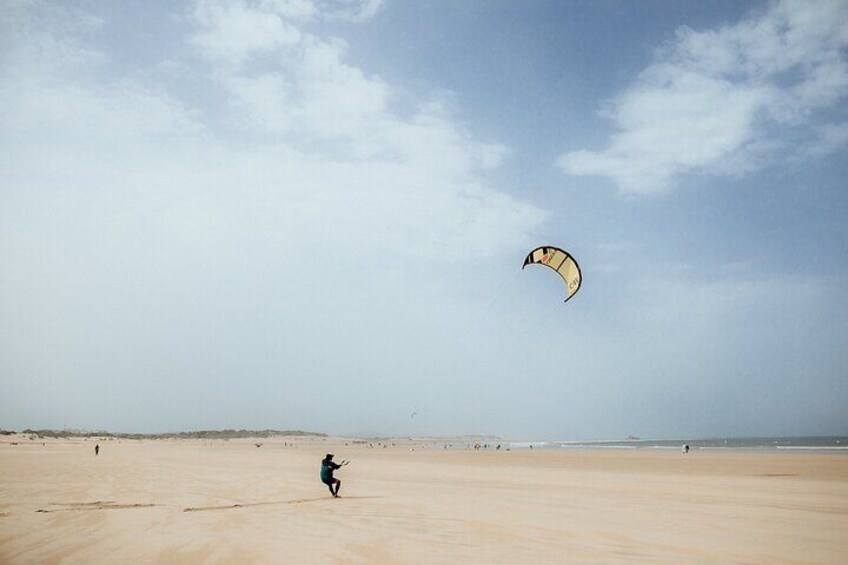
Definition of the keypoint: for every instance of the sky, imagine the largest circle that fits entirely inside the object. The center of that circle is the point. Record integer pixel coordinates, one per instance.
(312, 214)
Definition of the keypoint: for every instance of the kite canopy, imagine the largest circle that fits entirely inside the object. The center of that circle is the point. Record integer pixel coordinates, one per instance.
(561, 262)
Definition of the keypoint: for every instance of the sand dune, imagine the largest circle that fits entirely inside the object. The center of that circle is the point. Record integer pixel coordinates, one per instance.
(200, 501)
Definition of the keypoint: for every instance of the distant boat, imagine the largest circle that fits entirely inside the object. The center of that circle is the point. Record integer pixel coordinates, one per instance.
(633, 437)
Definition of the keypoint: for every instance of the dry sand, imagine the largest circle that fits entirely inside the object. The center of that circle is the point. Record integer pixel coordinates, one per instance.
(196, 501)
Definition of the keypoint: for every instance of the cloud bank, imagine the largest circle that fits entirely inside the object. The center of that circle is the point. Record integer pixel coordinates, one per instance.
(250, 212)
(282, 117)
(712, 100)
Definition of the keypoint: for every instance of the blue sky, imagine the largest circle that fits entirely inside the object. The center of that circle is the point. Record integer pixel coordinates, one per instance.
(312, 214)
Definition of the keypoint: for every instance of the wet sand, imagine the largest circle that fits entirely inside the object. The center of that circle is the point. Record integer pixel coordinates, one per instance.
(202, 501)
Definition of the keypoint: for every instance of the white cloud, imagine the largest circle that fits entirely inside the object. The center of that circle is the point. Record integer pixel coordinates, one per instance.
(303, 10)
(313, 97)
(712, 99)
(45, 41)
(233, 31)
(276, 220)
(47, 88)
(351, 10)
(829, 138)
(307, 151)
(308, 90)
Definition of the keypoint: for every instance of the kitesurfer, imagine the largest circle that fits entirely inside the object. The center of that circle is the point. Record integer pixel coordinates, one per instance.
(327, 468)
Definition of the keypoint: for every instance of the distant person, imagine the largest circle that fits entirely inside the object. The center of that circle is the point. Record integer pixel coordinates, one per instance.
(328, 466)
(97, 450)
(685, 448)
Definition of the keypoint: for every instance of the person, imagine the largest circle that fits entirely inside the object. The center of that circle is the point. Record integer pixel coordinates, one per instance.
(685, 448)
(328, 466)
(97, 449)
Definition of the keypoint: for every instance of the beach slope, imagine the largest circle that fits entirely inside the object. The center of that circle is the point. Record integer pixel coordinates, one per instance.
(201, 501)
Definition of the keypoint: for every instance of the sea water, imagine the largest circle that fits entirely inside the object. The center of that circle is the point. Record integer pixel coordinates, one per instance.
(827, 444)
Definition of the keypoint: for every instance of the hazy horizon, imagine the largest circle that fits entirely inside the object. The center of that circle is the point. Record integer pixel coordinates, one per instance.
(741, 442)
(303, 214)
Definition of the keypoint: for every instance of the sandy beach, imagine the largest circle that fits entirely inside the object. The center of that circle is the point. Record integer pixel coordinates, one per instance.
(215, 501)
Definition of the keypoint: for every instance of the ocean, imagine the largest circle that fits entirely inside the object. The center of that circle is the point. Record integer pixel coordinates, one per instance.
(825, 444)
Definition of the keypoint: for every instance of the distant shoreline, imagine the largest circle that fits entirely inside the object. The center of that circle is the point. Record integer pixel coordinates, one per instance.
(788, 443)
(199, 434)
